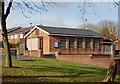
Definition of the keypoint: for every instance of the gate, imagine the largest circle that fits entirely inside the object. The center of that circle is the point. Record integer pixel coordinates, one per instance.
(21, 49)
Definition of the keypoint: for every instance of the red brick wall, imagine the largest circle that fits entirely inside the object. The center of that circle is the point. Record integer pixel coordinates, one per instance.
(117, 47)
(16, 49)
(75, 50)
(45, 37)
(37, 53)
(87, 60)
(14, 40)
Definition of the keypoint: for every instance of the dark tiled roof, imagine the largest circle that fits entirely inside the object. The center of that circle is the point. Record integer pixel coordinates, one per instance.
(70, 31)
(21, 30)
(13, 29)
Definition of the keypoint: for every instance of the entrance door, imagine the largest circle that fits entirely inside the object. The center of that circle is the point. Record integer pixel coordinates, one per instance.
(108, 49)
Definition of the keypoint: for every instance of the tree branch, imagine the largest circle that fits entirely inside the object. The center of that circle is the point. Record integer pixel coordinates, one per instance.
(33, 7)
(8, 9)
(22, 9)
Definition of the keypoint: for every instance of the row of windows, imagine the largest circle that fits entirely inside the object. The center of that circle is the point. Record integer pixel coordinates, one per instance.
(79, 43)
(15, 36)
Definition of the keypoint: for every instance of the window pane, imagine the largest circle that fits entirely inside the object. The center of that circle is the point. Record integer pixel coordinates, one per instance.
(62, 42)
(80, 43)
(33, 44)
(21, 35)
(11, 36)
(71, 42)
(55, 44)
(15, 36)
(96, 43)
(88, 43)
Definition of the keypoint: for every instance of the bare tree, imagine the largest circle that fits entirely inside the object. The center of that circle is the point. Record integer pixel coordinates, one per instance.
(89, 26)
(31, 8)
(4, 16)
(108, 29)
(87, 7)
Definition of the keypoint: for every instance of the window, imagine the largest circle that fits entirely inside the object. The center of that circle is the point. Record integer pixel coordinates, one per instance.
(62, 42)
(15, 36)
(96, 43)
(87, 42)
(80, 43)
(107, 49)
(21, 35)
(71, 42)
(11, 36)
(55, 44)
(41, 42)
(33, 43)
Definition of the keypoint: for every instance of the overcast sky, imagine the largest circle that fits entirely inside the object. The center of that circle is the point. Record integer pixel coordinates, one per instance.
(66, 14)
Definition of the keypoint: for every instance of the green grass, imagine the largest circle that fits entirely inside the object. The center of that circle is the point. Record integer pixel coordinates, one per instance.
(52, 70)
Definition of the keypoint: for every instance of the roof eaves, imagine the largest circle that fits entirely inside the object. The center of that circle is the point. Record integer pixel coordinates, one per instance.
(62, 35)
(34, 29)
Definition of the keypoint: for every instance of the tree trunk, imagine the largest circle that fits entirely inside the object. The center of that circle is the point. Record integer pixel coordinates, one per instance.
(8, 60)
(112, 71)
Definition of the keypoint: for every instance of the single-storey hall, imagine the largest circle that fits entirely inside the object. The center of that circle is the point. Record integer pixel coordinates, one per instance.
(65, 41)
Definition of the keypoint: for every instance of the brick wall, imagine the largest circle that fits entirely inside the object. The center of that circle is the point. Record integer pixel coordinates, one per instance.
(45, 39)
(100, 61)
(75, 50)
(37, 53)
(14, 40)
(117, 47)
(13, 51)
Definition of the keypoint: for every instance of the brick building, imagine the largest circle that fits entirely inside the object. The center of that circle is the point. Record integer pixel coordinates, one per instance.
(67, 41)
(9, 30)
(68, 44)
(16, 36)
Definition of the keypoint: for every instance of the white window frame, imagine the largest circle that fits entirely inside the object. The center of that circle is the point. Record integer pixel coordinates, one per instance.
(56, 44)
(33, 43)
(21, 35)
(15, 36)
(96, 43)
(11, 36)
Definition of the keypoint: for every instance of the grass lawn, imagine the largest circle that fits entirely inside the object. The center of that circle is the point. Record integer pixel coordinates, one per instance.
(52, 70)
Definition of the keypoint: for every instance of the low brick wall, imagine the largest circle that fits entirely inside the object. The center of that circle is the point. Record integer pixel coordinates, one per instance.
(99, 61)
(37, 53)
(13, 51)
(48, 56)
